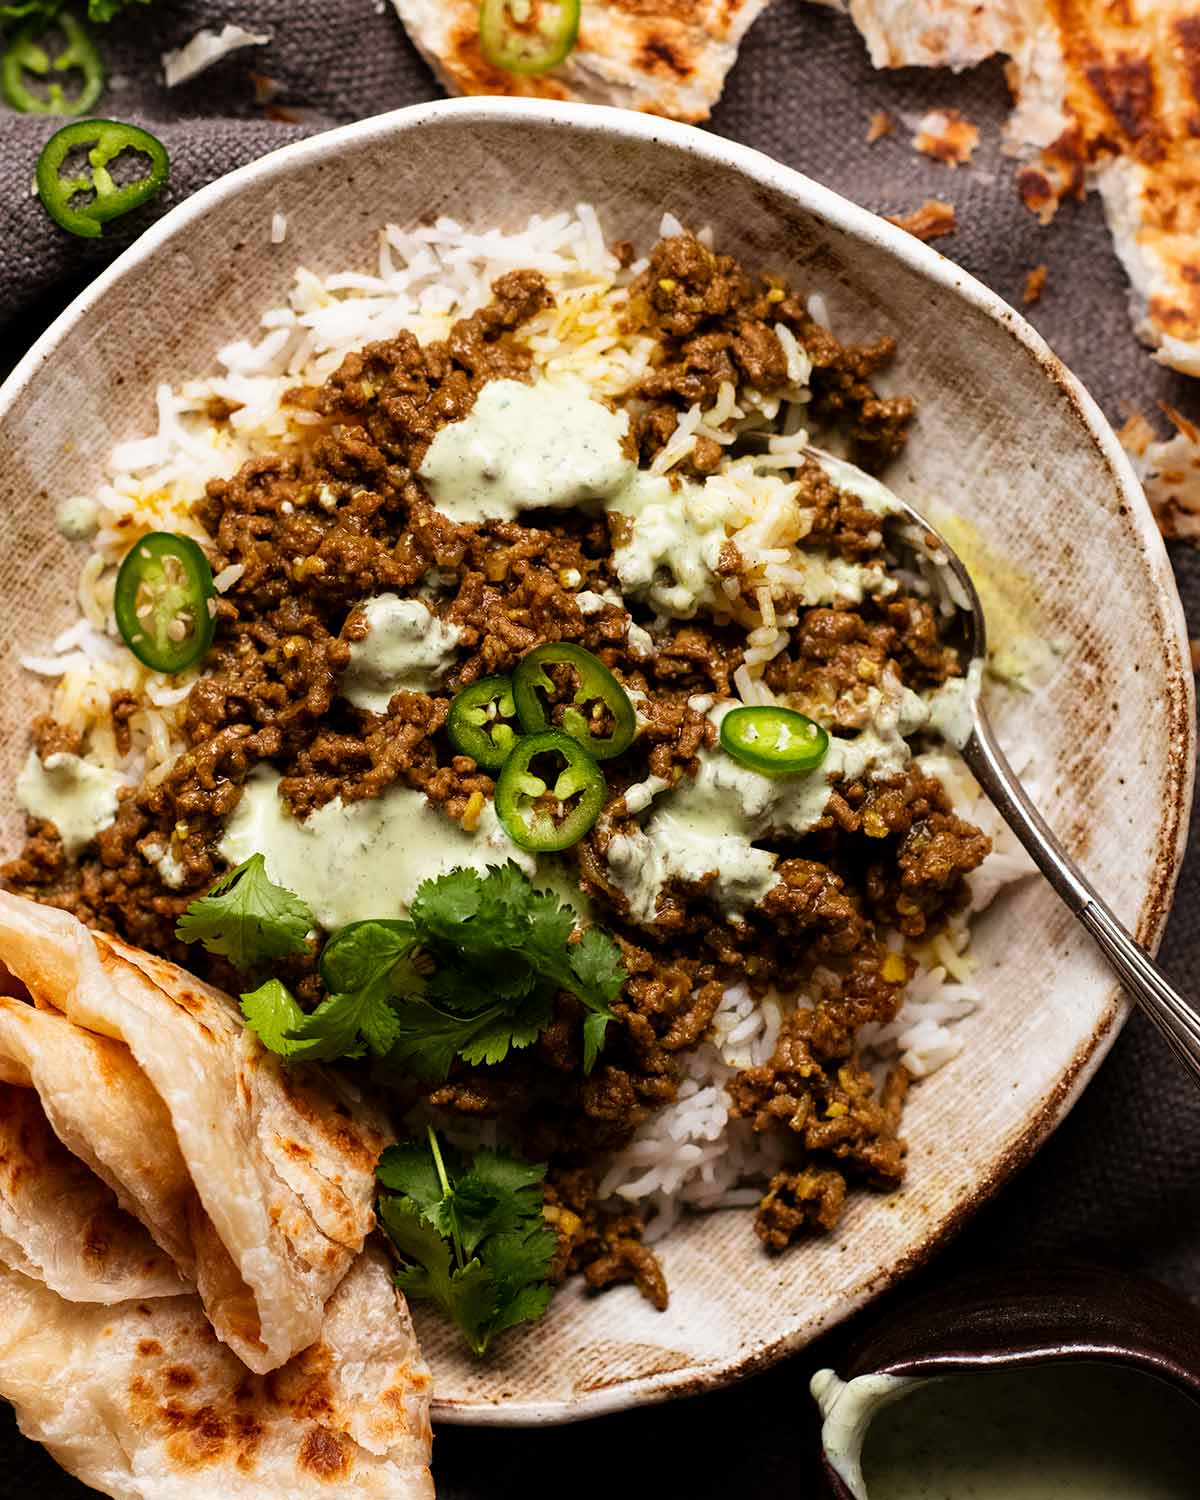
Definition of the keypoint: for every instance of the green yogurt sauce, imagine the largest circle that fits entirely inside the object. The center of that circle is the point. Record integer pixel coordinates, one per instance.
(1054, 1432)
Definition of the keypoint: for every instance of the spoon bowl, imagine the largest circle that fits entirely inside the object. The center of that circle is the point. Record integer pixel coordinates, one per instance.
(1176, 1018)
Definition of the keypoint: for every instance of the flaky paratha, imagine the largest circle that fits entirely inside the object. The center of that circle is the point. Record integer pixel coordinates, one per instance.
(61, 1225)
(142, 1402)
(1107, 96)
(667, 57)
(105, 1112)
(282, 1164)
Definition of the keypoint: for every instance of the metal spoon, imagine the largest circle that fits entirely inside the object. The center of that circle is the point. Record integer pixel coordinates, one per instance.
(1176, 1018)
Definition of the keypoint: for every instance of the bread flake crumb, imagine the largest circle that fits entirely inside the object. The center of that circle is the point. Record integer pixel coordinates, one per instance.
(931, 221)
(947, 136)
(1035, 284)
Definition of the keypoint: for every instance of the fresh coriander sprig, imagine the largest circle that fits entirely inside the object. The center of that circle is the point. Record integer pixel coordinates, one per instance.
(501, 950)
(472, 974)
(247, 918)
(364, 968)
(471, 1237)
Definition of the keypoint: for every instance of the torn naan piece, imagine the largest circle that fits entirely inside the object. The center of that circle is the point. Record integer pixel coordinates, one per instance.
(281, 1158)
(142, 1402)
(1169, 469)
(953, 34)
(61, 1225)
(666, 57)
(1107, 97)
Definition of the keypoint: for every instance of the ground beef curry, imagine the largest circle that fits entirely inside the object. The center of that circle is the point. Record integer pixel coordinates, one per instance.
(344, 516)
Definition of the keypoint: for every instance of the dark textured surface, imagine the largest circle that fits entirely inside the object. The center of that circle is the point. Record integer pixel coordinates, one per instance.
(1120, 1182)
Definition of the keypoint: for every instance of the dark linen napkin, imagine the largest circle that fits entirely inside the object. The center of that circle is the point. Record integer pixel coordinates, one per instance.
(1120, 1181)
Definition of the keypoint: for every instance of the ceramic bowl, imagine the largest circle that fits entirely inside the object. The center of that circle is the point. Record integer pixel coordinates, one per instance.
(1005, 435)
(1009, 1319)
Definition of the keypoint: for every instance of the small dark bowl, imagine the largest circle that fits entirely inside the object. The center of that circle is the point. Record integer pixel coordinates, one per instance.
(1004, 1320)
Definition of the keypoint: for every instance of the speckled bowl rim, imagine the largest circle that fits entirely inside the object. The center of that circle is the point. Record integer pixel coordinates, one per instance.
(861, 225)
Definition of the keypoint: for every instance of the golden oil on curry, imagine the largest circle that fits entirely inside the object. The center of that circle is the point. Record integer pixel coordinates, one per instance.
(1019, 654)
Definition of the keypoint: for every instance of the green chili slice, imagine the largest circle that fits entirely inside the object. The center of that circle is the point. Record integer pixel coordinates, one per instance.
(478, 722)
(528, 36)
(597, 687)
(541, 817)
(773, 739)
(104, 141)
(25, 56)
(163, 601)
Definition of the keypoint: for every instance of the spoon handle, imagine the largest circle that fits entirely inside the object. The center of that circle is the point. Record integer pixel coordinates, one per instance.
(1176, 1018)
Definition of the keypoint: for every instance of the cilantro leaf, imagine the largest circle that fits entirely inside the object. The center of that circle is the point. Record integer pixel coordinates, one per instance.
(366, 954)
(594, 1028)
(274, 1013)
(595, 962)
(491, 1043)
(341, 1026)
(467, 1293)
(464, 987)
(430, 1039)
(525, 1305)
(471, 1237)
(346, 1026)
(441, 906)
(410, 1170)
(479, 924)
(500, 1193)
(504, 1174)
(519, 1262)
(469, 1213)
(247, 918)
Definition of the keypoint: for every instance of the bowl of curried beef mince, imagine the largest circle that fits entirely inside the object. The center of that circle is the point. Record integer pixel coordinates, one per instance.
(491, 571)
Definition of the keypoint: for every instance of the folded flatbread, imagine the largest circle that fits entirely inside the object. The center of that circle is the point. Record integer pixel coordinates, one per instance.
(667, 57)
(1107, 96)
(281, 1161)
(60, 1224)
(105, 1112)
(142, 1402)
